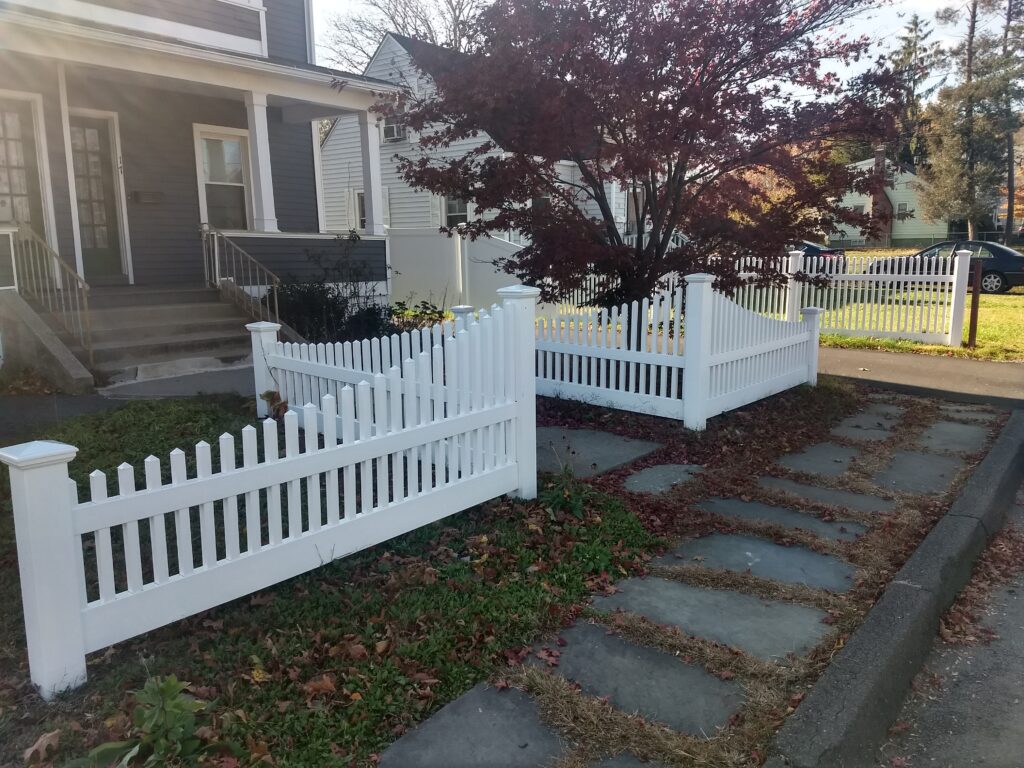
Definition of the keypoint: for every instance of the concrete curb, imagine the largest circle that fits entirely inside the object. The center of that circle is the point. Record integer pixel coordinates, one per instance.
(847, 713)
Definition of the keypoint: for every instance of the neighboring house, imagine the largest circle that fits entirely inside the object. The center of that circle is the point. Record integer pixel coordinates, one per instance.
(908, 226)
(126, 126)
(413, 216)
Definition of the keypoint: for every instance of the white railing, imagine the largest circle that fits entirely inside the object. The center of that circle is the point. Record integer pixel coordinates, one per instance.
(452, 428)
(636, 357)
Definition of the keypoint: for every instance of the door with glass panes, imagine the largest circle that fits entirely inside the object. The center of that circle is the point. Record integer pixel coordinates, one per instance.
(21, 202)
(92, 157)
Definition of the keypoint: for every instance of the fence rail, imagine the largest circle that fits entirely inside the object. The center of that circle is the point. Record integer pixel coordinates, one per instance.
(401, 448)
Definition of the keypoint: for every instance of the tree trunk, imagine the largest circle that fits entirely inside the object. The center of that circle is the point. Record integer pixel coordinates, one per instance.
(1010, 130)
(969, 148)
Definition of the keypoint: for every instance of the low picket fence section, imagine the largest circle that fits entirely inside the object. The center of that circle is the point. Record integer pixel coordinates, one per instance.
(648, 357)
(373, 459)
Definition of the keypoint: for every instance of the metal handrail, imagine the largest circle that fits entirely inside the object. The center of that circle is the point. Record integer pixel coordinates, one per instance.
(53, 285)
(248, 283)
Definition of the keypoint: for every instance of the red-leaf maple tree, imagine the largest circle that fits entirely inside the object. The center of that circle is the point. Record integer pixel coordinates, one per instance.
(716, 119)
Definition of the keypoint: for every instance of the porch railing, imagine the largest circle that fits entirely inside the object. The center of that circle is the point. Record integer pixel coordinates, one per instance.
(240, 277)
(48, 281)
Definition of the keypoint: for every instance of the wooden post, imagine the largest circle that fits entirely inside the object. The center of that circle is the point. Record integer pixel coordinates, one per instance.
(49, 563)
(812, 319)
(264, 336)
(794, 264)
(972, 333)
(520, 302)
(697, 350)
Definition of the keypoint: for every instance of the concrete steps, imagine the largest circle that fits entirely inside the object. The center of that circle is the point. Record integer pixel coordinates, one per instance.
(143, 332)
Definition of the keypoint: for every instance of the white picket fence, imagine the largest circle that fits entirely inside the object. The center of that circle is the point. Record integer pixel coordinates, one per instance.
(403, 447)
(648, 358)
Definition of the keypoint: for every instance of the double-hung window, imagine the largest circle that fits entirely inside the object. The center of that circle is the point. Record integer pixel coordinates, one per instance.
(455, 212)
(222, 165)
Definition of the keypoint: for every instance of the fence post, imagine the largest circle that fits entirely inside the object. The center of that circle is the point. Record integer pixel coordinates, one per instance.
(961, 268)
(49, 563)
(794, 264)
(264, 334)
(812, 319)
(697, 350)
(520, 301)
(462, 314)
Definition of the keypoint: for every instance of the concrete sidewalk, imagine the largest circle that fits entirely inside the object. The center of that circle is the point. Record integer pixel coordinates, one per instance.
(951, 378)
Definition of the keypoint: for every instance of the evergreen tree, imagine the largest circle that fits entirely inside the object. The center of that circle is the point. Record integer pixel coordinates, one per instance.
(918, 62)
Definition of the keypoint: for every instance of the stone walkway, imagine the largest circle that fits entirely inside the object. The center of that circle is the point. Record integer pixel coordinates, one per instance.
(504, 729)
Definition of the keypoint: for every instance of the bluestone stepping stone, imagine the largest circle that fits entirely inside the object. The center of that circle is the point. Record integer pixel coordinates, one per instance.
(765, 559)
(661, 478)
(914, 472)
(954, 437)
(873, 423)
(483, 727)
(624, 760)
(789, 518)
(968, 413)
(768, 629)
(652, 683)
(587, 452)
(858, 502)
(826, 459)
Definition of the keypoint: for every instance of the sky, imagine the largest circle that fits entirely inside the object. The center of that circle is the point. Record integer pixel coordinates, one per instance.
(883, 24)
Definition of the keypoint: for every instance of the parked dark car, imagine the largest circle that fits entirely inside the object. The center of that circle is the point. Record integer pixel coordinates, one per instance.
(1002, 268)
(819, 257)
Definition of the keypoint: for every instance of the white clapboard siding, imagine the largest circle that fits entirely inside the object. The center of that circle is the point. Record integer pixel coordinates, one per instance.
(417, 427)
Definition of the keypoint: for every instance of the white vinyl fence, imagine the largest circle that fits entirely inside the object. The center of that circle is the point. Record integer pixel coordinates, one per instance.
(648, 358)
(454, 427)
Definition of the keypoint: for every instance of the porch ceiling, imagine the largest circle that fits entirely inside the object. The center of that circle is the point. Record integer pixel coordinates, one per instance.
(304, 93)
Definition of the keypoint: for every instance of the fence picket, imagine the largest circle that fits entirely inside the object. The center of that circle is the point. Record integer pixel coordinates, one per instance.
(104, 548)
(157, 524)
(130, 531)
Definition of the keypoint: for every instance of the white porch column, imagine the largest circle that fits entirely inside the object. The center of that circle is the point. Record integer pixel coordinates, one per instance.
(263, 210)
(373, 196)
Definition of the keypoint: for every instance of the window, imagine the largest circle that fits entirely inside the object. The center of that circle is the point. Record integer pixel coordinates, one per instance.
(394, 129)
(361, 210)
(902, 208)
(858, 209)
(455, 212)
(223, 169)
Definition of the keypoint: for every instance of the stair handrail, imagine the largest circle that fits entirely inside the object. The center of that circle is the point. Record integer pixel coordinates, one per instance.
(231, 269)
(50, 282)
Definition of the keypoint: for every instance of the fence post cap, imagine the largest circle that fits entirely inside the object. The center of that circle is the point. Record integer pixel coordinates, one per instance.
(262, 326)
(812, 310)
(795, 253)
(964, 253)
(38, 453)
(700, 277)
(519, 292)
(462, 309)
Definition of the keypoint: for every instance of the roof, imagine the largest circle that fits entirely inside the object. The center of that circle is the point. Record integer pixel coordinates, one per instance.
(424, 52)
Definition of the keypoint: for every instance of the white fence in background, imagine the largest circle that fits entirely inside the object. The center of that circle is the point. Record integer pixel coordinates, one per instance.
(649, 358)
(454, 427)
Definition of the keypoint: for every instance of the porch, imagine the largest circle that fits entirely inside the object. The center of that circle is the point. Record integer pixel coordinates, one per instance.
(119, 153)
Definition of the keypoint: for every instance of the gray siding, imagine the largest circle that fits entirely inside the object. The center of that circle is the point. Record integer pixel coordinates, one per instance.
(291, 160)
(286, 29)
(289, 257)
(209, 14)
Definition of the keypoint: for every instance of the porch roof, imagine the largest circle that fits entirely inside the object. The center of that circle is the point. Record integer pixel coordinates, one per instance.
(307, 89)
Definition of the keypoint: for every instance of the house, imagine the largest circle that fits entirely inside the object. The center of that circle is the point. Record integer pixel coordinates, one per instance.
(161, 149)
(899, 202)
(426, 264)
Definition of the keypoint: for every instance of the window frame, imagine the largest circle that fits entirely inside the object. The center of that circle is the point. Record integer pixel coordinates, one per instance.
(400, 132)
(447, 212)
(360, 210)
(201, 132)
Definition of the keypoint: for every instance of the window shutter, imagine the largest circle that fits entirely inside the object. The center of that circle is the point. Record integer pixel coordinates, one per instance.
(436, 206)
(387, 206)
